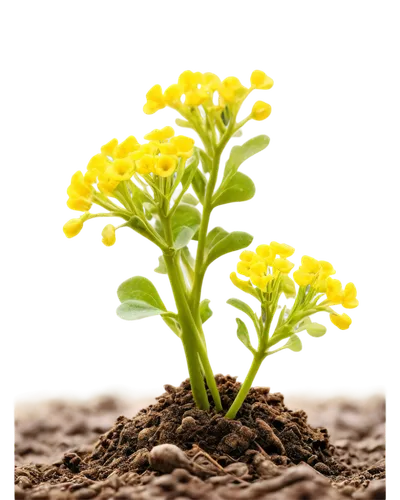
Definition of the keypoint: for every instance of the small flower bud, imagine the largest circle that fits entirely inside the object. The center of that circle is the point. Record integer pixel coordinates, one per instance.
(73, 227)
(342, 321)
(261, 110)
(108, 234)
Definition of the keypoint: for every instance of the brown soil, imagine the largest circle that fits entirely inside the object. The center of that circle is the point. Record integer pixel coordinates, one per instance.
(171, 450)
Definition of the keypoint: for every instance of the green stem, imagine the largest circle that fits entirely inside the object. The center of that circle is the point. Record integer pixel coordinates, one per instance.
(189, 341)
(244, 390)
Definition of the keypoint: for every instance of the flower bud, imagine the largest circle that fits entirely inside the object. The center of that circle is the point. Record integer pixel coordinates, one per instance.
(261, 110)
(260, 80)
(108, 235)
(73, 227)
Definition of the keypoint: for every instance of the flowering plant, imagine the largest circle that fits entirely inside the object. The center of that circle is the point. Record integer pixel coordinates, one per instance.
(155, 189)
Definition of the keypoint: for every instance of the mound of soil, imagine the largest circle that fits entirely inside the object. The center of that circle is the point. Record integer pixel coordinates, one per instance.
(172, 450)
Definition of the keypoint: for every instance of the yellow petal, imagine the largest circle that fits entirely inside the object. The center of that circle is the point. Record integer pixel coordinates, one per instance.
(349, 296)
(302, 278)
(282, 249)
(282, 265)
(245, 286)
(182, 143)
(342, 321)
(108, 149)
(260, 80)
(267, 253)
(310, 265)
(334, 292)
(129, 145)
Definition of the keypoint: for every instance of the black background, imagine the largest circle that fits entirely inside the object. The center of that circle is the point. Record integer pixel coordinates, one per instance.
(311, 196)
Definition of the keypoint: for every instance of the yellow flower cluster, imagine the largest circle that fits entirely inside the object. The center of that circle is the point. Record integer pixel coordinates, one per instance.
(270, 262)
(158, 152)
(264, 265)
(317, 274)
(196, 89)
(118, 162)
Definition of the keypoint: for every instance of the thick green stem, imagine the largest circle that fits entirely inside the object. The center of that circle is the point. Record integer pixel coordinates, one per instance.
(189, 340)
(244, 390)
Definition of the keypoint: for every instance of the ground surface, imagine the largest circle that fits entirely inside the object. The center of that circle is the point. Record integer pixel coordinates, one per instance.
(299, 450)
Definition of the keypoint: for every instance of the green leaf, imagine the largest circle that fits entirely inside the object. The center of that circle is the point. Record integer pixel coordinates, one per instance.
(199, 183)
(243, 335)
(140, 289)
(137, 309)
(190, 199)
(229, 243)
(205, 161)
(183, 123)
(245, 308)
(294, 344)
(185, 222)
(238, 188)
(239, 154)
(191, 165)
(205, 311)
(214, 236)
(316, 330)
(288, 287)
(161, 269)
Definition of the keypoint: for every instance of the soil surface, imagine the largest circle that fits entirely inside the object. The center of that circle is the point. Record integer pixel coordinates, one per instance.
(171, 450)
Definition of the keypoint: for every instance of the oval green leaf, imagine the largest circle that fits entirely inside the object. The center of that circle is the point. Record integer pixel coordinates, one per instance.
(245, 308)
(239, 154)
(205, 311)
(142, 290)
(185, 222)
(238, 188)
(230, 243)
(137, 309)
(243, 335)
(294, 344)
(316, 330)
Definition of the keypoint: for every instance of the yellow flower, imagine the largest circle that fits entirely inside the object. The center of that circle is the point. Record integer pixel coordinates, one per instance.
(106, 185)
(309, 265)
(211, 82)
(260, 80)
(155, 100)
(302, 278)
(326, 270)
(195, 97)
(108, 235)
(282, 249)
(261, 282)
(248, 256)
(261, 110)
(146, 164)
(283, 265)
(334, 292)
(259, 268)
(267, 253)
(79, 204)
(243, 285)
(98, 163)
(173, 94)
(108, 149)
(342, 321)
(121, 169)
(129, 145)
(243, 268)
(72, 227)
(184, 145)
(189, 80)
(79, 187)
(165, 165)
(231, 90)
(160, 135)
(349, 296)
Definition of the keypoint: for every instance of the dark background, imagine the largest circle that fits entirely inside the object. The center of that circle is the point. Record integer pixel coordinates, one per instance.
(310, 196)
